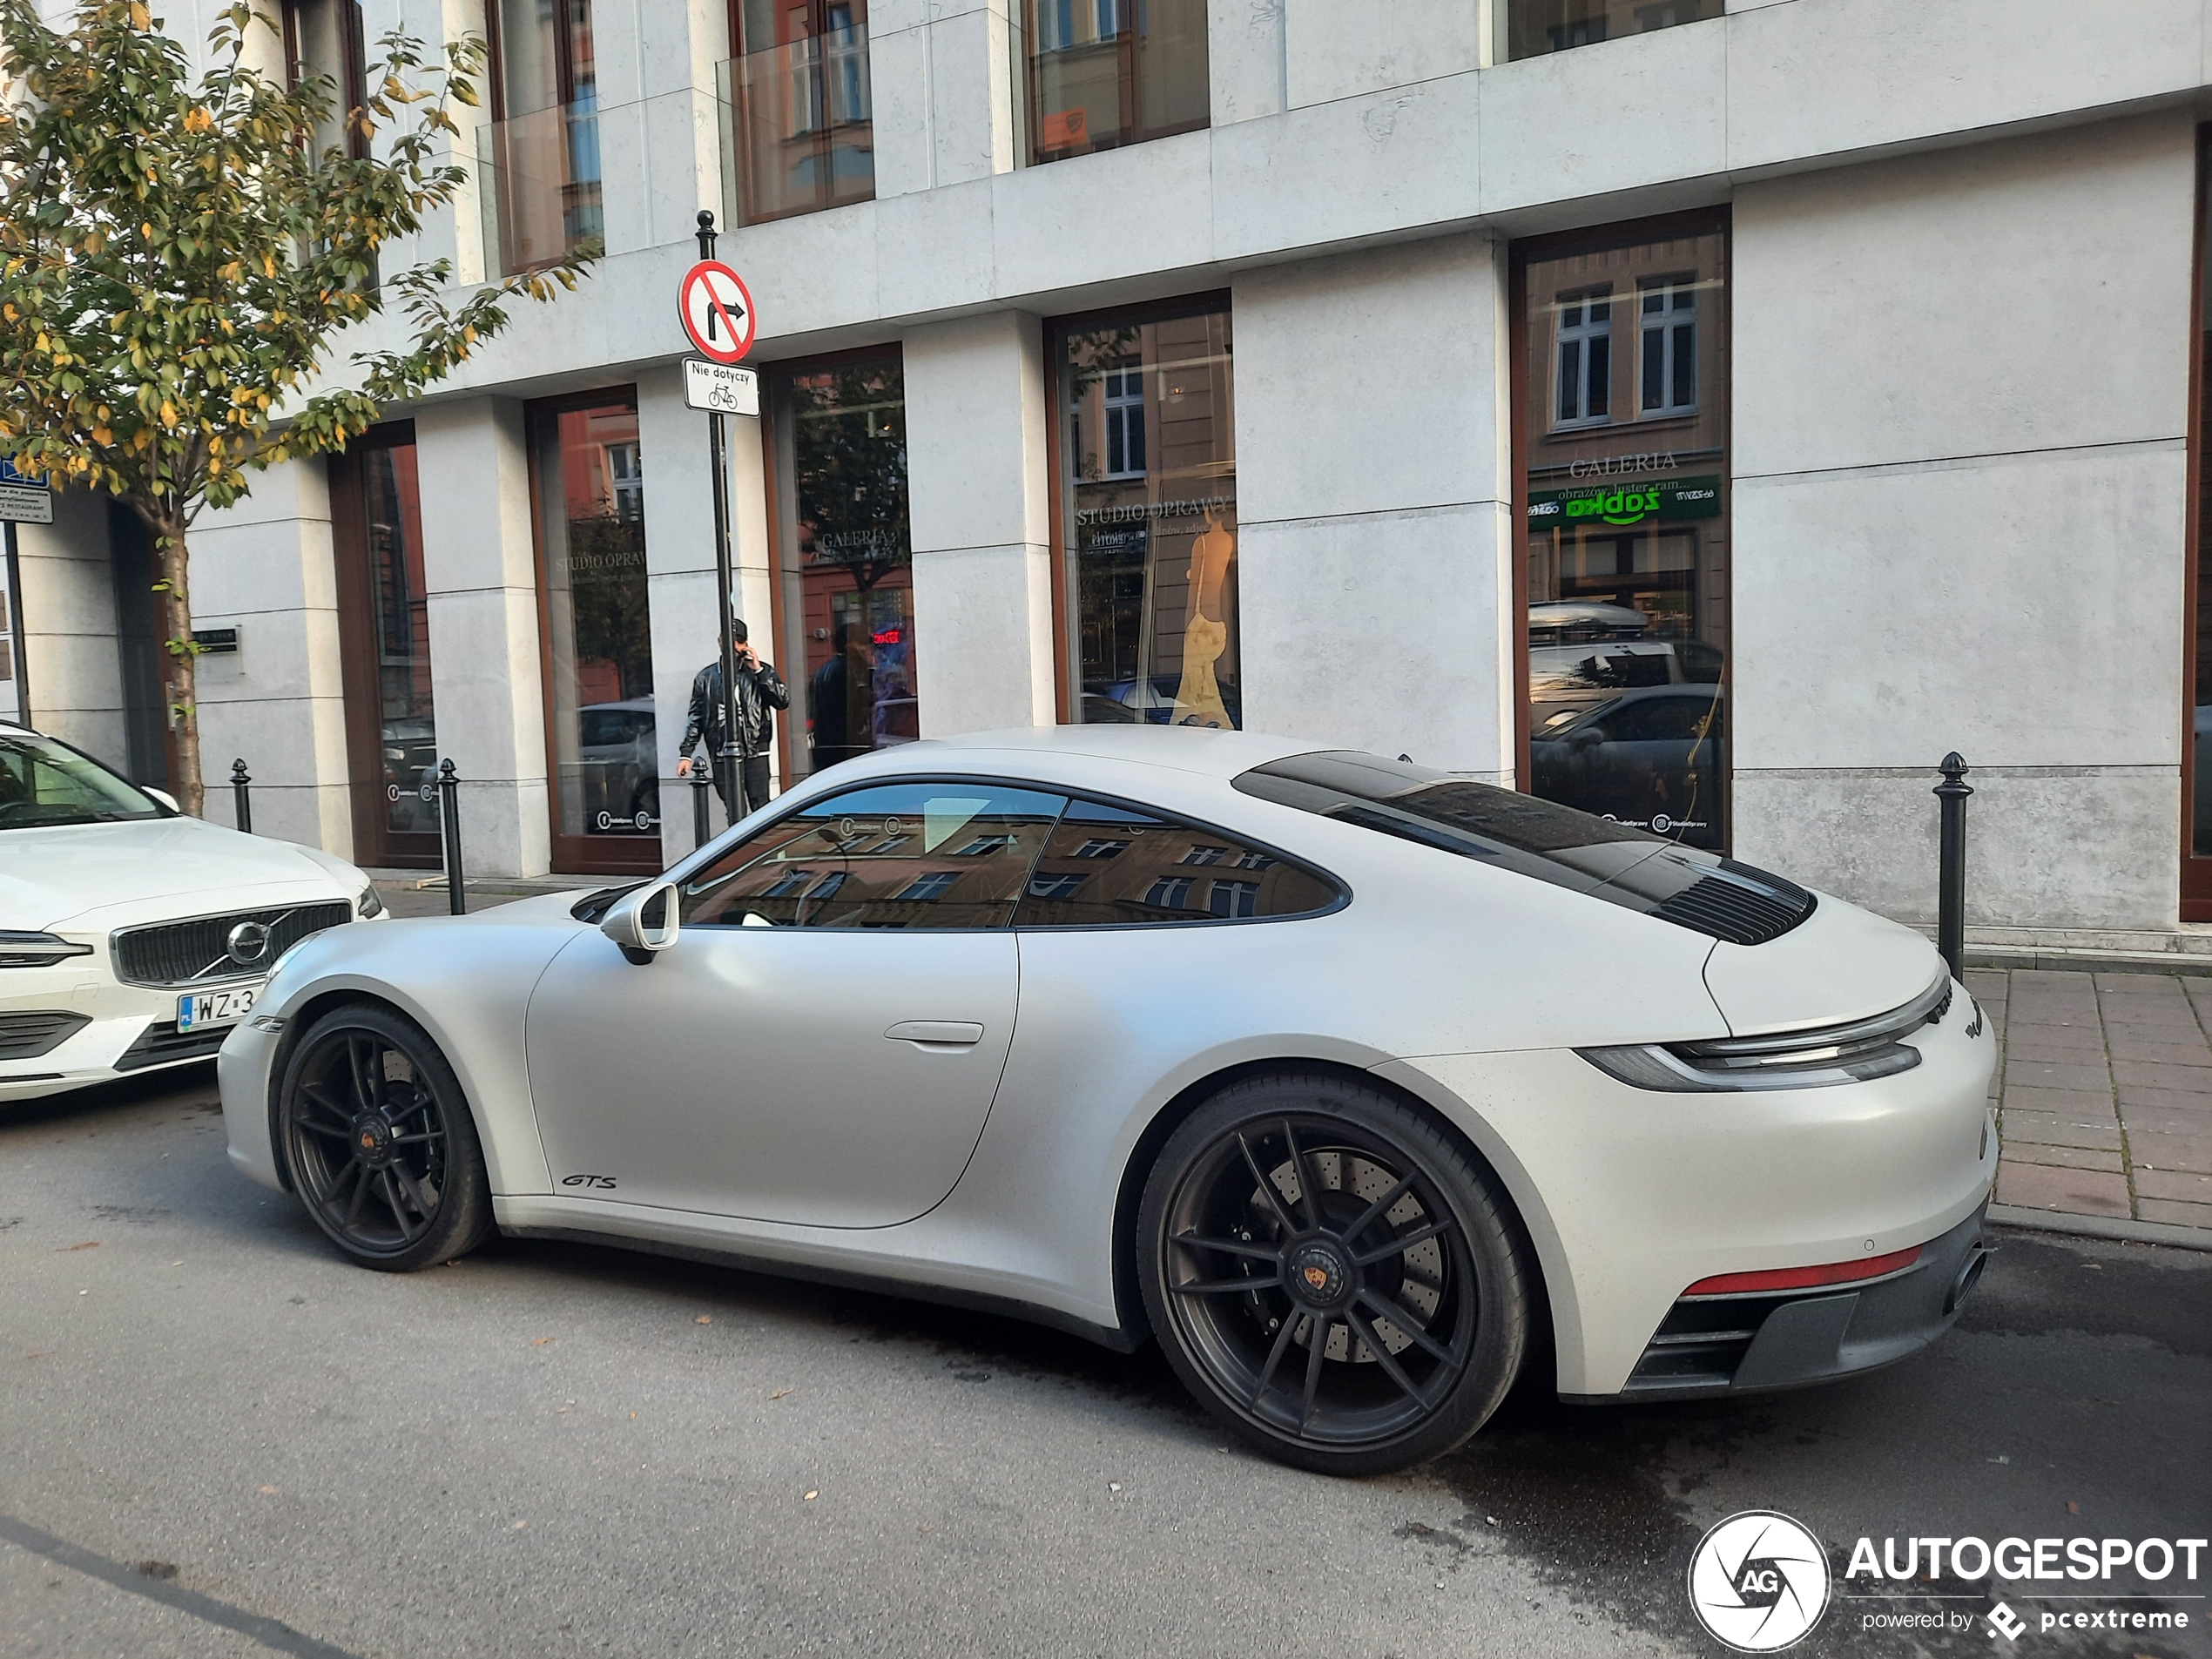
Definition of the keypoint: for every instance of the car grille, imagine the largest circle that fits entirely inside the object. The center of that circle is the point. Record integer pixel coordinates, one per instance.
(27, 1034)
(161, 1043)
(1739, 904)
(191, 953)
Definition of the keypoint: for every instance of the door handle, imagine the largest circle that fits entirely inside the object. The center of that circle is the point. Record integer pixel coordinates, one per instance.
(943, 1034)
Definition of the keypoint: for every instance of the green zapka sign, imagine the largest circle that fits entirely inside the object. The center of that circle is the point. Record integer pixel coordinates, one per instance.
(1625, 504)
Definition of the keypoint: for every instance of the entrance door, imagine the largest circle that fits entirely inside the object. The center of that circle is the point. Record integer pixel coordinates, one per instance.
(384, 649)
(822, 1044)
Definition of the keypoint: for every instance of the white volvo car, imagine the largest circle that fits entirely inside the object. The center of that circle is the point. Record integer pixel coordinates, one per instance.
(1335, 1075)
(132, 937)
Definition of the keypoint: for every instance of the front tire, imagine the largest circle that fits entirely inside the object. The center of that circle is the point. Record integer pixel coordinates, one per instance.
(381, 1148)
(1331, 1275)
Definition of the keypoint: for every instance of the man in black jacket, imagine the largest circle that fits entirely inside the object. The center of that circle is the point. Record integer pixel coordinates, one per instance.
(760, 692)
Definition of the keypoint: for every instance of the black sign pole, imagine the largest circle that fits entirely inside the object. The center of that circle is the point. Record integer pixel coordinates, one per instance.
(729, 759)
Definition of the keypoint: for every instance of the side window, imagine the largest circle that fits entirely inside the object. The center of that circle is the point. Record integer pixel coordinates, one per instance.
(893, 855)
(1661, 719)
(1106, 866)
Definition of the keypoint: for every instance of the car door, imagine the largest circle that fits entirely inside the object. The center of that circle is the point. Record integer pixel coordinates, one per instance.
(822, 1042)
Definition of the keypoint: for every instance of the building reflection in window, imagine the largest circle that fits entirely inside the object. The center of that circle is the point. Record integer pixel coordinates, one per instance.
(847, 557)
(542, 146)
(1103, 73)
(399, 636)
(1534, 27)
(1627, 525)
(806, 125)
(1148, 505)
(588, 477)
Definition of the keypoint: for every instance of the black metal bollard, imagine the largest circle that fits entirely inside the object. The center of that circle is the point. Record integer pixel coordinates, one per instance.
(1951, 864)
(241, 798)
(702, 831)
(449, 838)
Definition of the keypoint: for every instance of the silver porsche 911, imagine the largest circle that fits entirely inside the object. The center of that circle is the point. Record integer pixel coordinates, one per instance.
(1334, 1075)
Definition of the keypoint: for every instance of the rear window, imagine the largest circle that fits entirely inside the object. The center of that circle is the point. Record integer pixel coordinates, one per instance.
(1541, 839)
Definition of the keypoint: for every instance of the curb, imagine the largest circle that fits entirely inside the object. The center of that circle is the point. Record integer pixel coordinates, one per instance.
(1997, 959)
(2112, 1227)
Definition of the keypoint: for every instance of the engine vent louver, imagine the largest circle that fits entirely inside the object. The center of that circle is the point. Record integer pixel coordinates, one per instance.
(1738, 904)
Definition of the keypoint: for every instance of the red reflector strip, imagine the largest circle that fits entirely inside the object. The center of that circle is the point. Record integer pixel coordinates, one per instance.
(1799, 1279)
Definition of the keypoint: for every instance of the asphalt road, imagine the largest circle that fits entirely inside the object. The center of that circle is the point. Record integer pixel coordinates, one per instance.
(215, 1438)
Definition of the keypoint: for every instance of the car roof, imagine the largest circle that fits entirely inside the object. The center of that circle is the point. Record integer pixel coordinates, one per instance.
(1210, 752)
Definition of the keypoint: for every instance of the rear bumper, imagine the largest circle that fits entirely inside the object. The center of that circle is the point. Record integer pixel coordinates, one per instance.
(1750, 1344)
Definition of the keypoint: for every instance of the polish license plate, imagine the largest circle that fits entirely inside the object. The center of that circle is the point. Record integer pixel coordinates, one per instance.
(204, 1010)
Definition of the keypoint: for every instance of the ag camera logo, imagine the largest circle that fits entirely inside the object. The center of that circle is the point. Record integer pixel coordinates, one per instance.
(1758, 1581)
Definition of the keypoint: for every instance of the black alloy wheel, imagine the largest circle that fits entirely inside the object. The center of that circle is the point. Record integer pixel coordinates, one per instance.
(379, 1143)
(1333, 1275)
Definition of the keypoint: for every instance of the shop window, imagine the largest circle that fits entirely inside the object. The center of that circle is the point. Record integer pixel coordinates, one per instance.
(384, 637)
(846, 556)
(893, 855)
(1098, 74)
(541, 149)
(602, 728)
(805, 121)
(1626, 616)
(1147, 504)
(1150, 878)
(1534, 27)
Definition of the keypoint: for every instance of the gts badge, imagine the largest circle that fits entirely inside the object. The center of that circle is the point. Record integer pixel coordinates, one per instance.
(1974, 1030)
(600, 1182)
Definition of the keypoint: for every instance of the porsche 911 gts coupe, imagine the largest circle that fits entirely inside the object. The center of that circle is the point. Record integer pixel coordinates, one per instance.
(1335, 1075)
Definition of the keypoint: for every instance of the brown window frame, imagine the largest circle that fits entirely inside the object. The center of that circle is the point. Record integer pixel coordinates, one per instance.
(1718, 219)
(2196, 872)
(578, 854)
(1190, 305)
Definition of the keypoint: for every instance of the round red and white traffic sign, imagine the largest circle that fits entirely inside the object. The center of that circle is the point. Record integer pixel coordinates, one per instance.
(717, 311)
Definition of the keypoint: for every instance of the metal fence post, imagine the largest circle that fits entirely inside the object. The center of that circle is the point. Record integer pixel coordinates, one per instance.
(1951, 864)
(241, 800)
(702, 831)
(449, 838)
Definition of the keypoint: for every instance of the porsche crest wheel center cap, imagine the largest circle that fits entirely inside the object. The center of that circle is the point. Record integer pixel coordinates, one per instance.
(373, 1142)
(1318, 1274)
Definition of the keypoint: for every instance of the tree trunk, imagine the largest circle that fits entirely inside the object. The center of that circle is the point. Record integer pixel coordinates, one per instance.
(180, 662)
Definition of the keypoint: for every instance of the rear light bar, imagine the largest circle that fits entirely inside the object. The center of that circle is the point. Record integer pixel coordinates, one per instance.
(1802, 1279)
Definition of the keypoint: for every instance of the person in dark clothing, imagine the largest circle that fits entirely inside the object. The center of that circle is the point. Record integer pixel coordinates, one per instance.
(760, 693)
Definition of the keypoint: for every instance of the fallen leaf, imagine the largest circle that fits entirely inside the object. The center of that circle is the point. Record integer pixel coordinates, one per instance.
(812, 1496)
(2072, 1508)
(176, 1264)
(89, 1244)
(633, 1417)
(539, 1342)
(519, 1525)
(704, 1319)
(780, 1393)
(38, 1353)
(266, 1492)
(929, 1526)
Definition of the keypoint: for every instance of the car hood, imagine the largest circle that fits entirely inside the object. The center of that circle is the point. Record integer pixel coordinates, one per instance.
(49, 876)
(1839, 964)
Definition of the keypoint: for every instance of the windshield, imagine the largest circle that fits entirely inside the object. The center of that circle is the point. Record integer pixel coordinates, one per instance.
(44, 783)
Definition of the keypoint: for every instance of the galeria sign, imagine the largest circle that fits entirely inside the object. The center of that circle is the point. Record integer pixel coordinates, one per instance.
(717, 311)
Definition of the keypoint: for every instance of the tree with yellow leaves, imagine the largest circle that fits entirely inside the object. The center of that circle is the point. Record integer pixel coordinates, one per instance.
(177, 261)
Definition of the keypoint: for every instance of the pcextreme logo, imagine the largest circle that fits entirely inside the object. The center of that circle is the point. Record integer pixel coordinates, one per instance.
(1758, 1581)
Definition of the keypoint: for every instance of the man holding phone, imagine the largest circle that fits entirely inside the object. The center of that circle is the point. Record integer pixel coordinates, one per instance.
(760, 692)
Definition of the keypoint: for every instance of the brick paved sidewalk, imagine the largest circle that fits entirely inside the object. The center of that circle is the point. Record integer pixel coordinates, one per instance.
(2103, 1093)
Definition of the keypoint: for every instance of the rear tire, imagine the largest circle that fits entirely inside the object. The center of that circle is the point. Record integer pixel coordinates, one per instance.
(379, 1143)
(1331, 1275)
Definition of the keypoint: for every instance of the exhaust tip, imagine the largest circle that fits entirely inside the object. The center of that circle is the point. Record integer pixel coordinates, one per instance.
(1969, 1276)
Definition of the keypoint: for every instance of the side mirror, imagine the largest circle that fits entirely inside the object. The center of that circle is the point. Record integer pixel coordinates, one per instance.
(163, 796)
(643, 921)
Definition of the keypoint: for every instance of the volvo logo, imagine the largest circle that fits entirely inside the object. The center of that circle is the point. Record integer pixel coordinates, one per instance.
(248, 943)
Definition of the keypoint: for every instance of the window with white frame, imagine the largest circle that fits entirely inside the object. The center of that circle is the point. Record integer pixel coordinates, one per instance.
(1124, 413)
(1667, 320)
(1584, 358)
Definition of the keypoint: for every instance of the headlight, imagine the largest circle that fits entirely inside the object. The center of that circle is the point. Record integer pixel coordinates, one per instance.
(368, 904)
(38, 950)
(1820, 1057)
